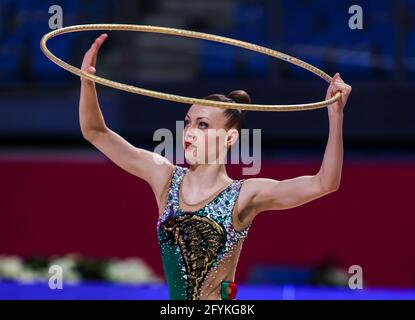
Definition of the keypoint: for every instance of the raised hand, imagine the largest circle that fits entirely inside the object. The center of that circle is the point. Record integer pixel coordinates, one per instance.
(90, 57)
(337, 84)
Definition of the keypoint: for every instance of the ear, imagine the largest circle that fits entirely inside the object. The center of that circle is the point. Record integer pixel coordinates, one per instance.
(231, 137)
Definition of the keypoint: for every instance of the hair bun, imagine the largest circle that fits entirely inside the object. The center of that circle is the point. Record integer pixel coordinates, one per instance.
(240, 96)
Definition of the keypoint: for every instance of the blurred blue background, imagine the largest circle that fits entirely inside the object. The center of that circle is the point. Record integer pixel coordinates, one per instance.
(38, 100)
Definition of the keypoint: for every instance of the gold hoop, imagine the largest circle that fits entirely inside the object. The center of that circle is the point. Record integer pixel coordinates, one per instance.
(182, 99)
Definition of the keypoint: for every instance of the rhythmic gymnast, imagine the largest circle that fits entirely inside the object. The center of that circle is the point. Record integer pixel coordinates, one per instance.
(204, 215)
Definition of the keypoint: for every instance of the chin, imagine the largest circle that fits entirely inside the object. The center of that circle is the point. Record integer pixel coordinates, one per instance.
(190, 158)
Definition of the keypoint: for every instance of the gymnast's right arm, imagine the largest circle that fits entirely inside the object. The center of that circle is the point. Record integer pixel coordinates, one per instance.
(137, 161)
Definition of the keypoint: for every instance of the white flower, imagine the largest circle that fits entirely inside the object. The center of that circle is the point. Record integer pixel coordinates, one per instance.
(10, 267)
(132, 270)
(68, 265)
(30, 276)
(339, 277)
(13, 267)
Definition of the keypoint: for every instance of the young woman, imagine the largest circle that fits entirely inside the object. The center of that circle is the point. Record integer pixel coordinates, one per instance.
(204, 215)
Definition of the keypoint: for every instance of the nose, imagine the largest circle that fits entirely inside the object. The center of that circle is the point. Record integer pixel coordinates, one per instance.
(188, 135)
(189, 139)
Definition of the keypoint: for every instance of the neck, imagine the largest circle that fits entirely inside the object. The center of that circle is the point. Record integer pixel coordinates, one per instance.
(207, 176)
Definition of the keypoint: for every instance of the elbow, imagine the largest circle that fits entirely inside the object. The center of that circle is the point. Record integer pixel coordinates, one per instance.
(329, 187)
(333, 188)
(91, 135)
(87, 135)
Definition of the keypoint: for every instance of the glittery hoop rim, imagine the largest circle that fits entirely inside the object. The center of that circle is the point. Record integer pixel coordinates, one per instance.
(183, 99)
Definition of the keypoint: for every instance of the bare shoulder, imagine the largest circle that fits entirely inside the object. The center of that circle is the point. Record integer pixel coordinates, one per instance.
(247, 203)
(252, 186)
(160, 180)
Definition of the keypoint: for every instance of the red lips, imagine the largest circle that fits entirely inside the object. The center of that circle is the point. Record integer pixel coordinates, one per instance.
(187, 144)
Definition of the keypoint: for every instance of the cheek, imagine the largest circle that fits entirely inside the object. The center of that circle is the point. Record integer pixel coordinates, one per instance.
(214, 141)
(200, 139)
(220, 140)
(207, 140)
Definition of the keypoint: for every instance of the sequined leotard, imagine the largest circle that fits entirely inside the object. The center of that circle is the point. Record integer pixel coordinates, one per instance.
(200, 249)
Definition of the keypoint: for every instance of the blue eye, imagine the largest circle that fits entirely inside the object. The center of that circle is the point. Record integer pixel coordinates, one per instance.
(186, 122)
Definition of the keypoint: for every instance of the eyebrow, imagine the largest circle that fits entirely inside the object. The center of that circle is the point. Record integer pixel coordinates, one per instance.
(197, 117)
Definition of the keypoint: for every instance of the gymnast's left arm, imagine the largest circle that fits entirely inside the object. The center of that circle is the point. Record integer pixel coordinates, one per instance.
(269, 194)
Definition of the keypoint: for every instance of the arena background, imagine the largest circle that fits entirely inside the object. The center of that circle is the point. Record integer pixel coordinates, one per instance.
(59, 197)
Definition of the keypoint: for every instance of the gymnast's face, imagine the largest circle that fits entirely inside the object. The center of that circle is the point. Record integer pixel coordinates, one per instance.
(206, 139)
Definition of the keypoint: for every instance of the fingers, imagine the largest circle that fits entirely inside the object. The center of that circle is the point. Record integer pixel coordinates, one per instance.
(333, 82)
(91, 69)
(335, 77)
(90, 57)
(99, 41)
(337, 87)
(337, 84)
(96, 46)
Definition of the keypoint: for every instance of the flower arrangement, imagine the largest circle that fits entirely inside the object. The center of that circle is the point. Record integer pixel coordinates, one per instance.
(76, 268)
